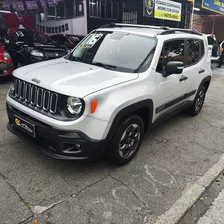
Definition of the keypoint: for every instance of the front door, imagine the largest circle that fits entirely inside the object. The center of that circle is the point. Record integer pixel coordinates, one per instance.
(170, 90)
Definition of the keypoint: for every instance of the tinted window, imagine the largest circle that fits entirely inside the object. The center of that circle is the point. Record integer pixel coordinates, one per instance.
(211, 40)
(202, 48)
(62, 40)
(121, 51)
(172, 51)
(193, 47)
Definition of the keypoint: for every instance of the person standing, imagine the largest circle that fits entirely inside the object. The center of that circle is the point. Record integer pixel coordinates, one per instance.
(221, 59)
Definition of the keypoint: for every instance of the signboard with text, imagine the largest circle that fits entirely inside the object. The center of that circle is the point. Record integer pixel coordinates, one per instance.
(168, 10)
(214, 6)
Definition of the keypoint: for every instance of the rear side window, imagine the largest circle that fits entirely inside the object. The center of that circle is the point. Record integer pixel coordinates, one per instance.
(195, 51)
(202, 48)
(172, 51)
(194, 56)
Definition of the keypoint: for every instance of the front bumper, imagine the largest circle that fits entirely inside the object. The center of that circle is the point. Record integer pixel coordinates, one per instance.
(55, 143)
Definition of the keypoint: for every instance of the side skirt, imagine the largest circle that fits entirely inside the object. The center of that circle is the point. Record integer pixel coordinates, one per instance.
(173, 111)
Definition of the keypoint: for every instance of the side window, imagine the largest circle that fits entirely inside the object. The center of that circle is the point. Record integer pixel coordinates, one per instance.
(172, 51)
(62, 40)
(193, 52)
(202, 48)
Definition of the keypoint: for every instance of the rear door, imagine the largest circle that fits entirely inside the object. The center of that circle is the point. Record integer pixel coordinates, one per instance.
(196, 65)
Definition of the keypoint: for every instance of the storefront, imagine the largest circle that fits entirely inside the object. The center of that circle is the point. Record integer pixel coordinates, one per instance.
(82, 16)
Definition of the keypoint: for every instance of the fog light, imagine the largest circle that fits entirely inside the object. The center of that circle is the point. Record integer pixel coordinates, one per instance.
(78, 146)
(70, 135)
(5, 71)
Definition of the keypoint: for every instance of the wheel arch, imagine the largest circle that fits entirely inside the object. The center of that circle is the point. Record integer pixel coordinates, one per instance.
(143, 108)
(206, 82)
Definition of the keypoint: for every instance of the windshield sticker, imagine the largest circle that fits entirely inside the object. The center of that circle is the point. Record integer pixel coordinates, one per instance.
(19, 34)
(92, 41)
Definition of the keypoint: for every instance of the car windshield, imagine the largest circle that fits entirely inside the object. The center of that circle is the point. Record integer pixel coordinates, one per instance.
(211, 40)
(113, 50)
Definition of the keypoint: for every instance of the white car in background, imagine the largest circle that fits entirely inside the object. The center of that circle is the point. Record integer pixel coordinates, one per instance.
(213, 47)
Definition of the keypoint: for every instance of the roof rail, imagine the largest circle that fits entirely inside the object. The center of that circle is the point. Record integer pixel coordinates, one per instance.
(167, 30)
(111, 25)
(173, 30)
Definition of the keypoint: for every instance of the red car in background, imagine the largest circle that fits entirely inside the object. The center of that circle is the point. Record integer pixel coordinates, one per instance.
(68, 40)
(6, 64)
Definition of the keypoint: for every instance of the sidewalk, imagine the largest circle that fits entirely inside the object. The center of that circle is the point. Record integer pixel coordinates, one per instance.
(215, 214)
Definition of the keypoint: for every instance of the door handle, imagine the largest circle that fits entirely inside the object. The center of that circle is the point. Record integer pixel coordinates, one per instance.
(183, 78)
(201, 71)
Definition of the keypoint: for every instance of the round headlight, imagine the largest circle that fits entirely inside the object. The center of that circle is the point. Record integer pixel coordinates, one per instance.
(6, 55)
(74, 105)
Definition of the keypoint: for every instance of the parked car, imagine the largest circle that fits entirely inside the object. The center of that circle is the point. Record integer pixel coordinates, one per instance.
(6, 64)
(213, 47)
(101, 98)
(221, 46)
(68, 40)
(28, 46)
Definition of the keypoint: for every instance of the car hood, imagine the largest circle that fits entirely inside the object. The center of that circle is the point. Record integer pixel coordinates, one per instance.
(71, 78)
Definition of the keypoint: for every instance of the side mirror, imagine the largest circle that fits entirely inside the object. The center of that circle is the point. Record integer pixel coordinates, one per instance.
(173, 67)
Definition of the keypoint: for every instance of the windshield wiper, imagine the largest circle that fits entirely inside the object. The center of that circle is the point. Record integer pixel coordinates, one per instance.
(73, 58)
(111, 67)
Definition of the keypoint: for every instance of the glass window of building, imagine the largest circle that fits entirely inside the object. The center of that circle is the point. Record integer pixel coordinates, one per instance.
(95, 8)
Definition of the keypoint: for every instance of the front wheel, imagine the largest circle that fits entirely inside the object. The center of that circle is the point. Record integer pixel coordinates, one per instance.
(195, 109)
(127, 141)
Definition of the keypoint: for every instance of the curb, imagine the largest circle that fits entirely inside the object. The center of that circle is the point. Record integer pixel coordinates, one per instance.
(190, 196)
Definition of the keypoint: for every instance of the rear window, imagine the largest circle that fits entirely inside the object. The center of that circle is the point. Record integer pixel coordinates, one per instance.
(211, 40)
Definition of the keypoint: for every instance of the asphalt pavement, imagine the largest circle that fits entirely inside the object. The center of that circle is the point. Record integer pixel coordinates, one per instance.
(172, 158)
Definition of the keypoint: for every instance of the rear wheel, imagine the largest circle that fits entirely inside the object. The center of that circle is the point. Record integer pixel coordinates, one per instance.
(127, 141)
(195, 109)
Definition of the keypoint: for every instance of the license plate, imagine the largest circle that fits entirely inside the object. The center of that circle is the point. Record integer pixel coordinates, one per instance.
(25, 126)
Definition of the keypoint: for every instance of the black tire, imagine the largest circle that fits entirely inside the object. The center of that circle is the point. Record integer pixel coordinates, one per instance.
(131, 126)
(196, 107)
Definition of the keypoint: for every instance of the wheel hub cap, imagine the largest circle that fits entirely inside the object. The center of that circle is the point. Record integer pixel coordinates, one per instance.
(199, 101)
(129, 141)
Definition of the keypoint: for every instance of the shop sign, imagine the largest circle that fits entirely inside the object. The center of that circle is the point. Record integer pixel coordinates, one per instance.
(169, 10)
(214, 6)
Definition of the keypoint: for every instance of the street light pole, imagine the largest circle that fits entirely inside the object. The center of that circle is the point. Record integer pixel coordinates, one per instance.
(192, 15)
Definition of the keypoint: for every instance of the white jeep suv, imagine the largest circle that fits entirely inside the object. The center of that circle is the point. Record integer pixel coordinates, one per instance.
(101, 98)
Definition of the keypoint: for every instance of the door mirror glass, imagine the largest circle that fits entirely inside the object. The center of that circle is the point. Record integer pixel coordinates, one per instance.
(173, 67)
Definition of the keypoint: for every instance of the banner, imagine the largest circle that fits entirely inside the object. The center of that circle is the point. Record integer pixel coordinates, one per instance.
(169, 10)
(214, 6)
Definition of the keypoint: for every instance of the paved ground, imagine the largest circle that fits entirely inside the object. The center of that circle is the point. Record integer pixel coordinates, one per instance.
(171, 159)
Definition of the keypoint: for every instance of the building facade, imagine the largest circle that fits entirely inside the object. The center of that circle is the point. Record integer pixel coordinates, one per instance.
(82, 16)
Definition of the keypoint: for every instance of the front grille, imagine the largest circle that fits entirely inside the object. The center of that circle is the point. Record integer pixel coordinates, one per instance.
(36, 96)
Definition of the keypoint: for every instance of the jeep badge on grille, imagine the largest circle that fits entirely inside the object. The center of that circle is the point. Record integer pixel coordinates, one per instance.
(35, 80)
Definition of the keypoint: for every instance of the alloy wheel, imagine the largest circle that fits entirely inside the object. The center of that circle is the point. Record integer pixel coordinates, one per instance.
(129, 141)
